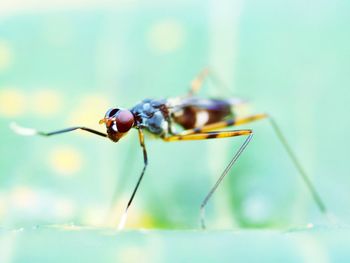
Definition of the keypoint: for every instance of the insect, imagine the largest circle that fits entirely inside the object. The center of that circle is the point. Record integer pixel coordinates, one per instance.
(199, 119)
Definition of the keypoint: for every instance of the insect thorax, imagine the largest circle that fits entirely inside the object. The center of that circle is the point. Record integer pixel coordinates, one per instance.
(152, 115)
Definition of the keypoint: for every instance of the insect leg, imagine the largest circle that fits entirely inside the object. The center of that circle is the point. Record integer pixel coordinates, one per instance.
(311, 188)
(198, 81)
(278, 132)
(315, 195)
(145, 160)
(31, 132)
(215, 135)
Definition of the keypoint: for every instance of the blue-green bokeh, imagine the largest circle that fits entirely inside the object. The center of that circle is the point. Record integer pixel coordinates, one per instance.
(290, 59)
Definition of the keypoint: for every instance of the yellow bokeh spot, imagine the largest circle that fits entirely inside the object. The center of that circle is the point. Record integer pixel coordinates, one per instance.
(24, 197)
(143, 220)
(46, 102)
(65, 160)
(166, 36)
(12, 102)
(6, 55)
(90, 109)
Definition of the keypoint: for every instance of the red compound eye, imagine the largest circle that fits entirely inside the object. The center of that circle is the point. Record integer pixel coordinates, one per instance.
(124, 120)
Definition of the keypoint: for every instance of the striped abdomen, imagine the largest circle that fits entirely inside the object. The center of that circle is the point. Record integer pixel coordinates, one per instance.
(200, 112)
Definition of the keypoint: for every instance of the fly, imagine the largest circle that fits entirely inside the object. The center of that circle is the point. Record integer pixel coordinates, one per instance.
(199, 119)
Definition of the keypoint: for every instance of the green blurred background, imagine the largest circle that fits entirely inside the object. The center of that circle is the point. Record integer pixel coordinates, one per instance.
(65, 63)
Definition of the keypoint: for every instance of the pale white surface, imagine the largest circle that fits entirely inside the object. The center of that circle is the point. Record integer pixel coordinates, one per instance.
(22, 130)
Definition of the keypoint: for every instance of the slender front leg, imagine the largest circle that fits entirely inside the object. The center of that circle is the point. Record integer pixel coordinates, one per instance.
(145, 160)
(31, 132)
